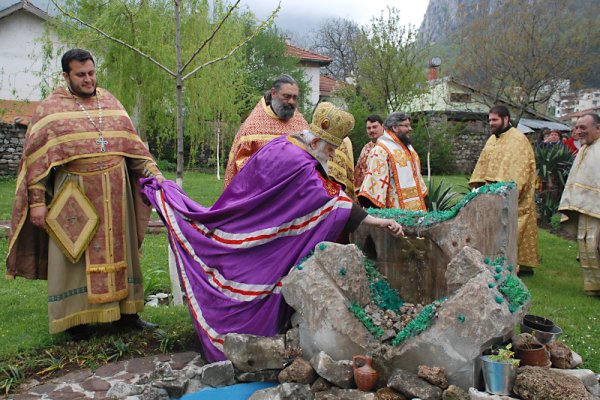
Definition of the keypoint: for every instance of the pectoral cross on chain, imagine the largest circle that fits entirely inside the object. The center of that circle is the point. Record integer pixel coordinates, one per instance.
(102, 143)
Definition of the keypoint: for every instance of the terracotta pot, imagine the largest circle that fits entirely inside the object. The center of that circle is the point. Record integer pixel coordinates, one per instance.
(535, 355)
(366, 376)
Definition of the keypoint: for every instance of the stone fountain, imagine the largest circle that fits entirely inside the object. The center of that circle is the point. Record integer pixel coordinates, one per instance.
(460, 266)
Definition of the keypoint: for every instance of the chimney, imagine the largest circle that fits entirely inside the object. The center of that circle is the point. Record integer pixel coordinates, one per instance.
(433, 72)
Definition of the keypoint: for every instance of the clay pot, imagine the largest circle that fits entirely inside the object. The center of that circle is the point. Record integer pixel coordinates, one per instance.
(534, 354)
(366, 376)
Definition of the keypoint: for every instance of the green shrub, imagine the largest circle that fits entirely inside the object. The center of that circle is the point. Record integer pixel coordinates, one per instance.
(439, 139)
(166, 165)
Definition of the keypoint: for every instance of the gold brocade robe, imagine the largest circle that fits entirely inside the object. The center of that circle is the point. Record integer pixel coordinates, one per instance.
(261, 126)
(510, 158)
(341, 167)
(63, 145)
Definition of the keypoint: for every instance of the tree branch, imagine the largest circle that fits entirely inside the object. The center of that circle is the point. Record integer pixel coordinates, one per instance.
(102, 33)
(211, 36)
(249, 38)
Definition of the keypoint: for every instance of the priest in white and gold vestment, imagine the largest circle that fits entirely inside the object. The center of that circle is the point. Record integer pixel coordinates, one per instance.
(580, 202)
(393, 178)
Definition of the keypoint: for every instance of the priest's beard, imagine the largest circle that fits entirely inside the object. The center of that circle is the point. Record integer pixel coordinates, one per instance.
(319, 154)
(283, 111)
(404, 139)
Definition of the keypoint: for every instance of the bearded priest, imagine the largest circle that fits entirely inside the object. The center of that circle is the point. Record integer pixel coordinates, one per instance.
(78, 216)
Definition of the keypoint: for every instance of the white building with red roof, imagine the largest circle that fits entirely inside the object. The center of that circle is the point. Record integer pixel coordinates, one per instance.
(312, 62)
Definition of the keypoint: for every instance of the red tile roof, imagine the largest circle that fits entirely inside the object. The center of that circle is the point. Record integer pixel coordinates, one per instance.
(578, 114)
(308, 56)
(326, 85)
(17, 112)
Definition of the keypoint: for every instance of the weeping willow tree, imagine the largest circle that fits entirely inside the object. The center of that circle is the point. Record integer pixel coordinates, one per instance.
(390, 66)
(146, 50)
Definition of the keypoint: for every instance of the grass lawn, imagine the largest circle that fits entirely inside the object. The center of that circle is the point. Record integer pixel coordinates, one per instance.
(26, 346)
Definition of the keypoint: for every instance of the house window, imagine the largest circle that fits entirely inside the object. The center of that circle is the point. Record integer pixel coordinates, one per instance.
(460, 97)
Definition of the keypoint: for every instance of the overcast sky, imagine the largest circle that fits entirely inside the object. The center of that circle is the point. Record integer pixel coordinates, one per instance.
(305, 15)
(300, 17)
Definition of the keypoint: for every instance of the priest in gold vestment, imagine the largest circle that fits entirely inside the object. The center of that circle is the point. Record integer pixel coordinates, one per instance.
(81, 162)
(508, 156)
(275, 114)
(580, 202)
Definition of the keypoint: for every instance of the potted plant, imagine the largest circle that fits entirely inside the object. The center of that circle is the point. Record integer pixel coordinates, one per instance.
(500, 370)
(530, 351)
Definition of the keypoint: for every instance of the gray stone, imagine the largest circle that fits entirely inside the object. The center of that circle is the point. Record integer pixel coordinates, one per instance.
(339, 373)
(416, 265)
(217, 374)
(174, 386)
(296, 319)
(346, 394)
(292, 338)
(331, 328)
(161, 370)
(121, 389)
(411, 385)
(295, 391)
(475, 394)
(542, 383)
(560, 355)
(586, 376)
(433, 375)
(462, 268)
(455, 393)
(389, 394)
(320, 385)
(265, 375)
(285, 391)
(271, 393)
(466, 325)
(344, 265)
(154, 393)
(576, 360)
(299, 371)
(250, 353)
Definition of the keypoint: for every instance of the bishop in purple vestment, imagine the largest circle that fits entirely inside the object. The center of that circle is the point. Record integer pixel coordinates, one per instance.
(232, 256)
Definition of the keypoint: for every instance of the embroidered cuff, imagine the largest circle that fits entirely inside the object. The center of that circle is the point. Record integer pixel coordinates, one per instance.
(37, 195)
(151, 169)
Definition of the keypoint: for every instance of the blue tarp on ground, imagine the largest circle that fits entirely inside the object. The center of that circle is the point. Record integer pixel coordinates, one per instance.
(241, 391)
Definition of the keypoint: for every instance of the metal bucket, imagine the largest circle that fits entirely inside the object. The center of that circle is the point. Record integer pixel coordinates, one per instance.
(499, 377)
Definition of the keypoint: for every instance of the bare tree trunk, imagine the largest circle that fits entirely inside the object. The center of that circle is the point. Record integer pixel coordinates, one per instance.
(179, 179)
(219, 146)
(175, 286)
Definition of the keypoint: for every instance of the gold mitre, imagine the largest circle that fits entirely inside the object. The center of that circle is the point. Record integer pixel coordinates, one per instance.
(331, 123)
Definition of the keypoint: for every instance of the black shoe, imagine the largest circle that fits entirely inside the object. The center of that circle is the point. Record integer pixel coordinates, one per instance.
(134, 321)
(79, 332)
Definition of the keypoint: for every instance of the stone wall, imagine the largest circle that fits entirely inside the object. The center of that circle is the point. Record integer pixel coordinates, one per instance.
(12, 140)
(468, 146)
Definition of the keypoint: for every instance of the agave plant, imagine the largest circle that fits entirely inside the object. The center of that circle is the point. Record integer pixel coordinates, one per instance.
(553, 165)
(441, 196)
